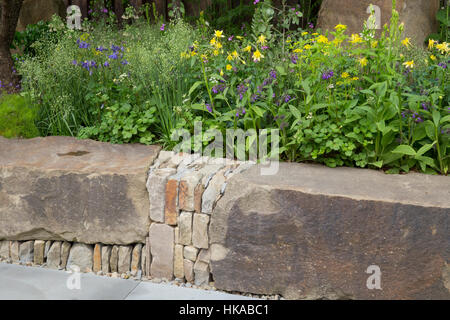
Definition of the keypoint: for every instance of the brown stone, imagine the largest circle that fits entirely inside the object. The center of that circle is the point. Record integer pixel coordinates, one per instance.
(39, 249)
(312, 232)
(97, 257)
(186, 197)
(200, 231)
(156, 186)
(53, 192)
(419, 16)
(136, 257)
(198, 193)
(171, 208)
(106, 256)
(188, 270)
(178, 265)
(114, 259)
(124, 263)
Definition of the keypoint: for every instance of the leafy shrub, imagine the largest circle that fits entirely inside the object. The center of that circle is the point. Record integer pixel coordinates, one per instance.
(17, 117)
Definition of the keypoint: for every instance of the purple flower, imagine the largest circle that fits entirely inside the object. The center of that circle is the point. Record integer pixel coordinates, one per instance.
(327, 75)
(294, 59)
(104, 10)
(273, 74)
(256, 1)
(162, 27)
(208, 107)
(230, 38)
(106, 64)
(241, 89)
(311, 25)
(83, 44)
(124, 62)
(74, 62)
(442, 65)
(287, 98)
(113, 56)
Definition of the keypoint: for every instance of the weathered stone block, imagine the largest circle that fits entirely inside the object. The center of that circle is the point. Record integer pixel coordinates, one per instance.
(187, 191)
(81, 255)
(312, 232)
(14, 251)
(54, 192)
(188, 270)
(97, 257)
(162, 250)
(114, 259)
(201, 271)
(26, 250)
(178, 265)
(65, 251)
(185, 228)
(124, 264)
(190, 253)
(54, 255)
(4, 249)
(213, 191)
(171, 207)
(200, 231)
(106, 255)
(156, 186)
(39, 250)
(136, 258)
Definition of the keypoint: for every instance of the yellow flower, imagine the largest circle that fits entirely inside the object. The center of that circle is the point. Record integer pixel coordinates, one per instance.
(315, 34)
(262, 40)
(307, 47)
(433, 57)
(218, 34)
(345, 75)
(193, 53)
(229, 57)
(204, 57)
(247, 48)
(356, 39)
(235, 54)
(409, 64)
(337, 42)
(374, 44)
(298, 50)
(341, 27)
(218, 45)
(221, 72)
(216, 52)
(213, 41)
(322, 39)
(304, 33)
(431, 43)
(355, 79)
(443, 47)
(406, 42)
(257, 56)
(363, 62)
(239, 37)
(229, 67)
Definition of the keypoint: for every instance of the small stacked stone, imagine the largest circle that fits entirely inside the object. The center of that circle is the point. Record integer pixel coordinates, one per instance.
(183, 191)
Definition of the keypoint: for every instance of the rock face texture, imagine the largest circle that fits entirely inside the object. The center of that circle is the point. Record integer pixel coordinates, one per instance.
(419, 16)
(313, 232)
(60, 188)
(33, 11)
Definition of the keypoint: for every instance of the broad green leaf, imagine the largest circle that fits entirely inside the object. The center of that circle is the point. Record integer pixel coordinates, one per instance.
(404, 149)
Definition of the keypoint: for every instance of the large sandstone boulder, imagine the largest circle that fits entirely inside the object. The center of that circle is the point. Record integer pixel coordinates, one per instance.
(61, 188)
(33, 11)
(419, 16)
(312, 232)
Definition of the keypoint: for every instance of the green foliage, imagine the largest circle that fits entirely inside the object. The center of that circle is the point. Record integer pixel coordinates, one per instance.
(443, 18)
(17, 117)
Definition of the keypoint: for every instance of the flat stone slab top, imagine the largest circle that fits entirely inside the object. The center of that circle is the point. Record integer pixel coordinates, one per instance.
(312, 232)
(61, 188)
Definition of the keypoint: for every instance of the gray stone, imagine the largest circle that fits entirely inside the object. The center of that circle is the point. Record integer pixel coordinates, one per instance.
(419, 16)
(4, 249)
(201, 271)
(311, 232)
(39, 250)
(185, 228)
(200, 231)
(54, 255)
(26, 250)
(143, 260)
(14, 251)
(65, 250)
(188, 270)
(106, 255)
(190, 253)
(186, 190)
(156, 186)
(114, 259)
(213, 191)
(162, 250)
(178, 265)
(124, 263)
(136, 258)
(81, 255)
(48, 244)
(53, 193)
(205, 255)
